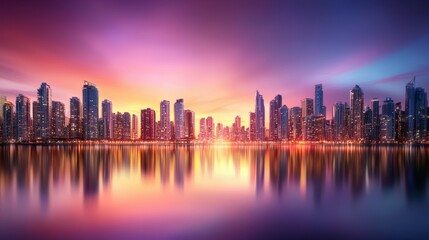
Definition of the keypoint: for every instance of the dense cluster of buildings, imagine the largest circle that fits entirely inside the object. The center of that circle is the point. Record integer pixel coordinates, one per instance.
(44, 120)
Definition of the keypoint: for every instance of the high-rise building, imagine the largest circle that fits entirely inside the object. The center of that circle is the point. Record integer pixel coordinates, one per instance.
(375, 119)
(236, 129)
(179, 119)
(118, 126)
(90, 111)
(106, 114)
(275, 106)
(164, 123)
(203, 130)
(219, 131)
(356, 111)
(339, 121)
(75, 118)
(134, 128)
(367, 122)
(307, 112)
(295, 124)
(421, 113)
(23, 119)
(410, 93)
(148, 120)
(44, 96)
(126, 131)
(36, 120)
(284, 123)
(260, 117)
(189, 124)
(8, 121)
(58, 120)
(2, 101)
(399, 123)
(318, 101)
(252, 127)
(209, 128)
(387, 132)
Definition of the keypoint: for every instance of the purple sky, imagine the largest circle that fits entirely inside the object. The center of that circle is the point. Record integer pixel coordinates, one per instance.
(214, 54)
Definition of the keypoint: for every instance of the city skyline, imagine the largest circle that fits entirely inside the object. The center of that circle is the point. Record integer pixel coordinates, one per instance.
(156, 50)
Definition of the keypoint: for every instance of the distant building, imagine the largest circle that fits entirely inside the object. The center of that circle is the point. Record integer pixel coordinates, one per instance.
(189, 124)
(75, 118)
(8, 121)
(126, 131)
(179, 119)
(376, 128)
(260, 117)
(164, 124)
(295, 124)
(252, 127)
(107, 117)
(148, 128)
(367, 121)
(275, 106)
(284, 123)
(319, 109)
(90, 111)
(209, 128)
(338, 121)
(134, 127)
(58, 120)
(421, 113)
(356, 111)
(203, 131)
(388, 120)
(22, 119)
(44, 96)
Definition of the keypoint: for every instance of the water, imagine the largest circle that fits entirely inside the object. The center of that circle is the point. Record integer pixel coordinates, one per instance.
(213, 192)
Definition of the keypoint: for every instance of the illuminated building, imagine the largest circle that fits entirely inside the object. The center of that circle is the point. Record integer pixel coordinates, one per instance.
(22, 119)
(356, 113)
(260, 117)
(165, 128)
(106, 114)
(75, 118)
(147, 123)
(179, 119)
(44, 96)
(58, 120)
(90, 111)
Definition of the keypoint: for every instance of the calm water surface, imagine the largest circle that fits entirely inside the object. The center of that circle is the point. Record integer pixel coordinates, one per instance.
(213, 192)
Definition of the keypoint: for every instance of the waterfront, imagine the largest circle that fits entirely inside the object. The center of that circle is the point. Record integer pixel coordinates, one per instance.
(217, 192)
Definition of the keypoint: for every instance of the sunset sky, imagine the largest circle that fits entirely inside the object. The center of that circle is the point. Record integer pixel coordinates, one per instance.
(214, 54)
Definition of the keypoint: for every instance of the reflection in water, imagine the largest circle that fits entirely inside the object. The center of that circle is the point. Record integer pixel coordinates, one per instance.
(309, 168)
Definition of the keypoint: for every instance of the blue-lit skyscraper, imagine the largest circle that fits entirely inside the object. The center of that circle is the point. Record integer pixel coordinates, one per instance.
(318, 100)
(375, 119)
(388, 120)
(356, 113)
(275, 106)
(179, 119)
(410, 93)
(8, 123)
(44, 97)
(90, 111)
(339, 120)
(260, 117)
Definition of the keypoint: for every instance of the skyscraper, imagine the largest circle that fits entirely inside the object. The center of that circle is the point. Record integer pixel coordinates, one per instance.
(165, 121)
(75, 118)
(8, 121)
(318, 100)
(275, 106)
(44, 96)
(118, 126)
(23, 119)
(179, 119)
(367, 121)
(219, 131)
(203, 132)
(148, 120)
(375, 119)
(189, 124)
(58, 120)
(209, 128)
(134, 128)
(421, 113)
(356, 111)
(339, 120)
(126, 130)
(284, 123)
(36, 120)
(296, 123)
(236, 129)
(252, 127)
(410, 93)
(2, 101)
(387, 132)
(307, 114)
(106, 114)
(260, 117)
(90, 111)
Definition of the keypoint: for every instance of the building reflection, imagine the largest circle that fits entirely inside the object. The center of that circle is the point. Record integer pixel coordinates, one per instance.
(315, 171)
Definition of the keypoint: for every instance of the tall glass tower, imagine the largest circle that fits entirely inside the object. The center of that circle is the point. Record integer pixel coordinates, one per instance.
(90, 111)
(318, 100)
(179, 119)
(260, 117)
(44, 96)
